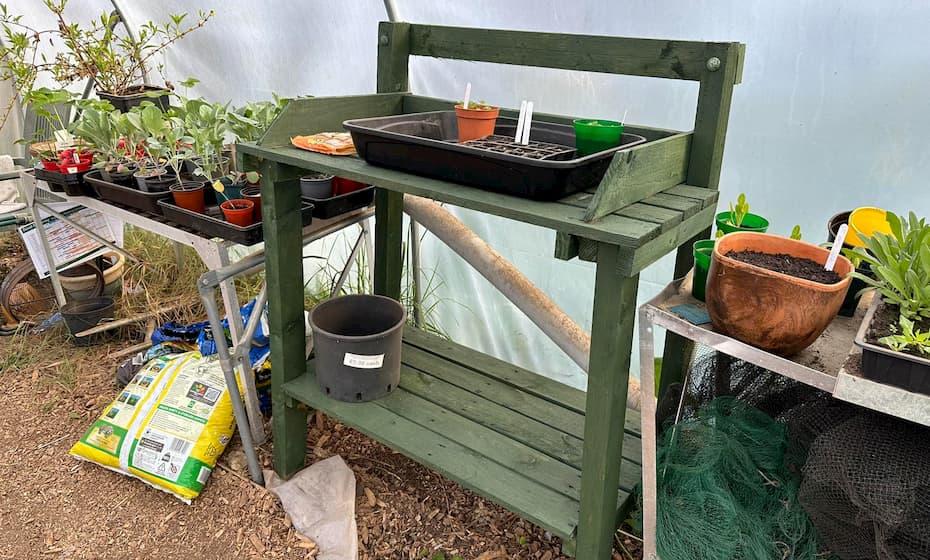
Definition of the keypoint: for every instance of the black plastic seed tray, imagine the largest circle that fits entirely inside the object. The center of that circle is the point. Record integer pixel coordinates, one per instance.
(127, 196)
(72, 184)
(325, 208)
(212, 223)
(427, 144)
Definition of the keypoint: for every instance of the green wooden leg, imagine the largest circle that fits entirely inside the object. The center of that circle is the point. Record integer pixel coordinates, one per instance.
(605, 408)
(389, 238)
(284, 277)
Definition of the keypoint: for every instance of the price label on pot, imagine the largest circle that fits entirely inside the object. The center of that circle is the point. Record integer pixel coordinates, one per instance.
(363, 362)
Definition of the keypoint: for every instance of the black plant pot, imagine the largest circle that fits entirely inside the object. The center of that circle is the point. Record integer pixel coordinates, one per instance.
(851, 301)
(125, 102)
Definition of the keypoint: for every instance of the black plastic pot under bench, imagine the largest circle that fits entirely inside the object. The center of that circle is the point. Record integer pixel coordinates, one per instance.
(72, 184)
(81, 315)
(884, 365)
(357, 343)
(325, 208)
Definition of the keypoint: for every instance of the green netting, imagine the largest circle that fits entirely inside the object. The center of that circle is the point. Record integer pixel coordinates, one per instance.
(725, 490)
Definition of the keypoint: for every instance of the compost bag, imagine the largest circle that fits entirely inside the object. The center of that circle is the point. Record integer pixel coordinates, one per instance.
(167, 427)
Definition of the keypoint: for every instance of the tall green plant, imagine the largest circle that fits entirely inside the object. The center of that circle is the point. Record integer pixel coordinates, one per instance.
(249, 122)
(901, 265)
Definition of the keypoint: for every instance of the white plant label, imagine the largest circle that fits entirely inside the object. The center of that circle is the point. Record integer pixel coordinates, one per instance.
(363, 362)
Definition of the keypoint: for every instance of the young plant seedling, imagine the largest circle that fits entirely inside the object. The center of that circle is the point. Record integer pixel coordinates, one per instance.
(738, 212)
(796, 233)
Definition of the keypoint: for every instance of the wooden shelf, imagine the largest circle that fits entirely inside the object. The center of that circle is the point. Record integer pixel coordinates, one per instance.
(506, 433)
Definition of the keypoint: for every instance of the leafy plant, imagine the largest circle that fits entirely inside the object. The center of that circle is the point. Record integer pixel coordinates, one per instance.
(167, 141)
(796, 232)
(477, 106)
(901, 265)
(738, 212)
(205, 123)
(249, 122)
(908, 338)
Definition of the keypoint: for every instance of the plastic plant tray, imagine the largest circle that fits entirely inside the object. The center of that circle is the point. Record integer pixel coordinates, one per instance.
(127, 196)
(212, 223)
(426, 144)
(884, 365)
(72, 184)
(325, 208)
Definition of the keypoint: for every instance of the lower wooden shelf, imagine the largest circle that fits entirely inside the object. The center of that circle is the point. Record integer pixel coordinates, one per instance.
(506, 433)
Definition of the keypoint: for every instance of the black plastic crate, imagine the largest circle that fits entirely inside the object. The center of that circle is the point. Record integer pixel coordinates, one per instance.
(72, 184)
(127, 196)
(325, 208)
(212, 223)
(884, 365)
(426, 144)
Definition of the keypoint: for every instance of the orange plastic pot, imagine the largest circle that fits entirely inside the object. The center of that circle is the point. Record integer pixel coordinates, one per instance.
(189, 195)
(474, 123)
(238, 211)
(776, 312)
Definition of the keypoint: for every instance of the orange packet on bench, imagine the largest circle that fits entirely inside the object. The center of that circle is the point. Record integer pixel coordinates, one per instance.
(332, 143)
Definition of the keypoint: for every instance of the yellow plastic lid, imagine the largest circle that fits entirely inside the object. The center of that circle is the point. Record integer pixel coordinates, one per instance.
(868, 221)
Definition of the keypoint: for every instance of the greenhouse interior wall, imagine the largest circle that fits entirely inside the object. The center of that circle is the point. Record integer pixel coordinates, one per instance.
(832, 113)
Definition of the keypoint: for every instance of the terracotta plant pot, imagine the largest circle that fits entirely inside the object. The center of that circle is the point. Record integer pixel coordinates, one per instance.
(189, 195)
(770, 310)
(254, 194)
(238, 211)
(474, 123)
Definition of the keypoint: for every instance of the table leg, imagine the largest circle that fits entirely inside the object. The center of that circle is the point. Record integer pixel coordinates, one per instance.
(284, 278)
(605, 407)
(389, 239)
(648, 426)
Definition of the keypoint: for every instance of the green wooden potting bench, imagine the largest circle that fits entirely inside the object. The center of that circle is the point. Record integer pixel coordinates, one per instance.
(564, 459)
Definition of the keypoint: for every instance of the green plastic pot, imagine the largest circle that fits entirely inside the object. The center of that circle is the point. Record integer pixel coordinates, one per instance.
(596, 135)
(702, 254)
(751, 222)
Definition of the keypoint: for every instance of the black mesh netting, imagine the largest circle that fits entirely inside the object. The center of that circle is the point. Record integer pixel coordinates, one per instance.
(760, 466)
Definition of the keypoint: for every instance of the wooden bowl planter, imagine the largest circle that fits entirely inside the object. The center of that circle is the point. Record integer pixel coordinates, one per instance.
(776, 312)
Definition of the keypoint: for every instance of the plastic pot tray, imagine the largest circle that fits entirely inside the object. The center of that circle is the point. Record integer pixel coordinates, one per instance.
(884, 365)
(212, 223)
(325, 208)
(127, 196)
(72, 184)
(548, 168)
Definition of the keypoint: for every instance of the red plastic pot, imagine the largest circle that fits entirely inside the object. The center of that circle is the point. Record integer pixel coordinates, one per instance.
(50, 165)
(254, 194)
(68, 167)
(346, 186)
(189, 195)
(238, 211)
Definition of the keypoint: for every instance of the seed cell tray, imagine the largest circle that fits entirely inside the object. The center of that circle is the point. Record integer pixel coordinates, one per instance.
(212, 224)
(72, 184)
(427, 144)
(127, 196)
(325, 208)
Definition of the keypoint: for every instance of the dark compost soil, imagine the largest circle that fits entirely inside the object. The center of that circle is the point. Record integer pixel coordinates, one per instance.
(886, 317)
(787, 264)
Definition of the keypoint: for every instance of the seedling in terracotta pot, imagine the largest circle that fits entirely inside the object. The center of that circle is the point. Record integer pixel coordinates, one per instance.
(475, 120)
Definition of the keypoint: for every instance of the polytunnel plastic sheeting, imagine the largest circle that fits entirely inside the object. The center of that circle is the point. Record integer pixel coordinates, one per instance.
(832, 112)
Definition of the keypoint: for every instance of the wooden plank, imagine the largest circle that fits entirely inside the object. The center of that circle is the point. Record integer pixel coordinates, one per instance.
(515, 376)
(513, 400)
(285, 285)
(566, 246)
(687, 206)
(423, 104)
(518, 493)
(655, 249)
(389, 237)
(665, 217)
(641, 171)
(393, 57)
(309, 115)
(707, 196)
(611, 344)
(624, 232)
(682, 60)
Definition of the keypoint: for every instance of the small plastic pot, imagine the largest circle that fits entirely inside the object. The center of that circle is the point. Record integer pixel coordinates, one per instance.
(596, 135)
(123, 177)
(82, 315)
(851, 301)
(69, 167)
(751, 222)
(239, 212)
(866, 221)
(254, 194)
(189, 195)
(703, 250)
(50, 165)
(316, 186)
(341, 185)
(474, 124)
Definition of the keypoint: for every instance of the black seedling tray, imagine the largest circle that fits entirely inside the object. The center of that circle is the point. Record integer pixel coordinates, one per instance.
(325, 208)
(72, 184)
(426, 144)
(212, 223)
(127, 196)
(884, 365)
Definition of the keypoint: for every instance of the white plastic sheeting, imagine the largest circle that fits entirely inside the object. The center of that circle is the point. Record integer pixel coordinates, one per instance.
(832, 112)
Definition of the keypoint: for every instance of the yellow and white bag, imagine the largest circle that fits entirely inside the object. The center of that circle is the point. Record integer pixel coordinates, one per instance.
(167, 427)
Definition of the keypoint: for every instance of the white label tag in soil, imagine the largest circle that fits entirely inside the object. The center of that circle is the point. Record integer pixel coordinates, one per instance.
(363, 362)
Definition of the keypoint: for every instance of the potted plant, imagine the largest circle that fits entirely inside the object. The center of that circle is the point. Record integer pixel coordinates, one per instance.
(851, 302)
(236, 210)
(739, 219)
(107, 131)
(476, 121)
(116, 62)
(249, 122)
(52, 105)
(895, 334)
(773, 292)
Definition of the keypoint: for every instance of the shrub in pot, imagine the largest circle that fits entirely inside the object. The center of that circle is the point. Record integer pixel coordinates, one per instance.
(895, 335)
(476, 121)
(771, 309)
(738, 218)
